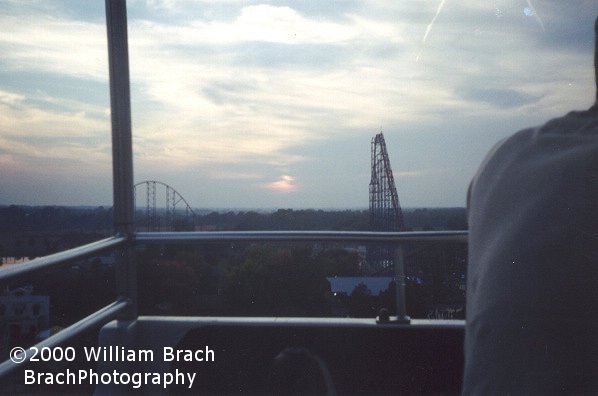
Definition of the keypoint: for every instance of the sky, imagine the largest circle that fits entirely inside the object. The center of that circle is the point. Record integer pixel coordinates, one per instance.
(273, 104)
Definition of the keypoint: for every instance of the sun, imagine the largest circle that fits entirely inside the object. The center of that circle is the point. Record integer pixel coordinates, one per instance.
(285, 184)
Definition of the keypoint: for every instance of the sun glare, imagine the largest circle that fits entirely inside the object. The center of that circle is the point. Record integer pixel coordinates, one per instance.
(285, 184)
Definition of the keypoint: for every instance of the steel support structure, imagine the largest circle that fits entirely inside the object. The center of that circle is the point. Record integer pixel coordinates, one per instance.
(122, 150)
(170, 208)
(150, 207)
(154, 221)
(385, 210)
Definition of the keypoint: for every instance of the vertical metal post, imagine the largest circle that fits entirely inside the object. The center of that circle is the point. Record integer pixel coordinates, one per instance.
(120, 104)
(399, 263)
(122, 150)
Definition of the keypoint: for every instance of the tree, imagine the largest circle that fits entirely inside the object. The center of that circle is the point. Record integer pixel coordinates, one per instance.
(360, 302)
(338, 262)
(278, 282)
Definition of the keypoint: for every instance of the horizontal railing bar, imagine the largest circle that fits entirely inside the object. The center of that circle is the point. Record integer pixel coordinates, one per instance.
(112, 311)
(301, 236)
(98, 318)
(57, 260)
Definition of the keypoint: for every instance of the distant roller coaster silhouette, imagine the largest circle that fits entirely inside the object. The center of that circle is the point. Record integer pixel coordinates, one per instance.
(385, 209)
(161, 215)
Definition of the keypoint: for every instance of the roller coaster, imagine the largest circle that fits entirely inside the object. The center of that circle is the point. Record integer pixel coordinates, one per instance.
(385, 209)
(163, 209)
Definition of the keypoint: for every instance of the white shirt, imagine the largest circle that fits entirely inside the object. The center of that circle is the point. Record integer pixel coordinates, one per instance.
(532, 287)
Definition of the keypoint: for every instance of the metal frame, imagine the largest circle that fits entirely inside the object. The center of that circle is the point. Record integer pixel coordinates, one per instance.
(396, 239)
(302, 236)
(173, 198)
(126, 305)
(385, 209)
(61, 259)
(122, 150)
(120, 105)
(96, 319)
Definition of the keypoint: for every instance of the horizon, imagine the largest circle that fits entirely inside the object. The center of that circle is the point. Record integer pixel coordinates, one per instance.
(234, 209)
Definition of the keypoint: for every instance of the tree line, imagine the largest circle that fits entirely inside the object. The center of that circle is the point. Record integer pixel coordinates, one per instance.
(55, 219)
(235, 279)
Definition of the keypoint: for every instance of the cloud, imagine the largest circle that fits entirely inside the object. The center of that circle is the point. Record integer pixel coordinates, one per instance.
(10, 99)
(268, 24)
(407, 173)
(46, 44)
(38, 140)
(285, 184)
(219, 175)
(502, 98)
(28, 117)
(235, 90)
(198, 96)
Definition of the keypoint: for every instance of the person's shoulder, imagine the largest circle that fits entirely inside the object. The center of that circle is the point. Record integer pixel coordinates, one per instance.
(585, 121)
(572, 123)
(515, 153)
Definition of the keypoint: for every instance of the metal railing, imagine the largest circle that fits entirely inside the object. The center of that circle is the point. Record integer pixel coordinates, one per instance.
(126, 302)
(303, 236)
(61, 259)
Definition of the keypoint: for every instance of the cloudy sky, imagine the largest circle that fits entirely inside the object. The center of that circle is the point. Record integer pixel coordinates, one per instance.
(256, 104)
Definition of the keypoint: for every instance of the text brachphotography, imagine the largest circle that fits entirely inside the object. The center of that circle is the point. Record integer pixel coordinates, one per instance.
(135, 380)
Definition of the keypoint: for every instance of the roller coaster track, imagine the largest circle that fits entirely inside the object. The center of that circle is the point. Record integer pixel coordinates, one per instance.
(170, 210)
(385, 210)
